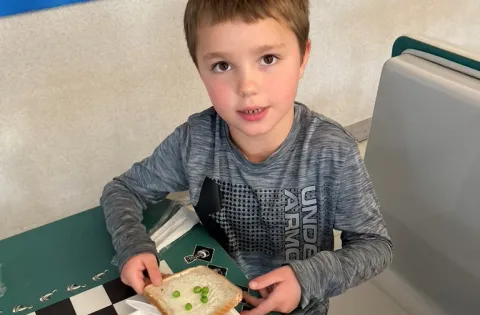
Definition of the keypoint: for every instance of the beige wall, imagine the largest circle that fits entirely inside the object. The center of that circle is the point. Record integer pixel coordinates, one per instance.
(86, 90)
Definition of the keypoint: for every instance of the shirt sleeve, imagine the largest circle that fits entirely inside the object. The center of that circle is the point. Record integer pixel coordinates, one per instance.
(147, 182)
(366, 247)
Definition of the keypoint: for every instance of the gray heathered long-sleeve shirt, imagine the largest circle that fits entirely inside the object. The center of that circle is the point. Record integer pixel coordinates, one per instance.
(280, 211)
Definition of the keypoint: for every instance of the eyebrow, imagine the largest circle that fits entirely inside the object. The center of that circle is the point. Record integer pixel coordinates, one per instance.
(257, 51)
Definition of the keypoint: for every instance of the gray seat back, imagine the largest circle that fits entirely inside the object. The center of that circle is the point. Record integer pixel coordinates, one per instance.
(423, 155)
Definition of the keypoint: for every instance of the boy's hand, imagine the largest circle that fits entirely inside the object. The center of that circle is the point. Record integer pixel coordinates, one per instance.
(132, 272)
(280, 292)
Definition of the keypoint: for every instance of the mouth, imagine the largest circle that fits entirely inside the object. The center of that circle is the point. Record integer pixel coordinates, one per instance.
(253, 114)
(252, 111)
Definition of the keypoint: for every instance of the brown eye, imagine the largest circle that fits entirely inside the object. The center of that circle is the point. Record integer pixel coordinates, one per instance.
(269, 59)
(221, 67)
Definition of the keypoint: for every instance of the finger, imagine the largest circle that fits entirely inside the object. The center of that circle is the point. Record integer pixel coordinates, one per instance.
(271, 288)
(266, 306)
(136, 281)
(153, 271)
(264, 292)
(252, 300)
(266, 280)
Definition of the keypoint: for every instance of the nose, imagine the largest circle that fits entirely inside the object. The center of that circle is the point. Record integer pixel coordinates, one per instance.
(248, 83)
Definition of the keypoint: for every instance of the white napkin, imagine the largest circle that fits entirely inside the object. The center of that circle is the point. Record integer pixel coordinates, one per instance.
(142, 307)
(175, 227)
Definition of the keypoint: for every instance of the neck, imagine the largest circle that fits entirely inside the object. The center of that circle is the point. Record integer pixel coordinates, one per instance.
(258, 148)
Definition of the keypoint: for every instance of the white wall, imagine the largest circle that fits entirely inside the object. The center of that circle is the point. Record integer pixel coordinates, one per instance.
(86, 90)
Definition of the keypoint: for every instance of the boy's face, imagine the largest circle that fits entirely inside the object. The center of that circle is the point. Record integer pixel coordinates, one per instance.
(251, 73)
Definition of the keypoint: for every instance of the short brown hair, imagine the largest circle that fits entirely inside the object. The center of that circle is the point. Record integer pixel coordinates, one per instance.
(295, 13)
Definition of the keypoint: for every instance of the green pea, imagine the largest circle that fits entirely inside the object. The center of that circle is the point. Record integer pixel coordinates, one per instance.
(204, 299)
(204, 290)
(188, 306)
(176, 294)
(197, 289)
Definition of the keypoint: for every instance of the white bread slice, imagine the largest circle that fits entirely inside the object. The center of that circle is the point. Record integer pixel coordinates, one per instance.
(222, 297)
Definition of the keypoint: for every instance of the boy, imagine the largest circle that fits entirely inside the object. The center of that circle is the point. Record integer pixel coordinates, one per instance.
(288, 176)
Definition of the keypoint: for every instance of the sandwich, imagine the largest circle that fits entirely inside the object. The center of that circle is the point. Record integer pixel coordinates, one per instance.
(197, 290)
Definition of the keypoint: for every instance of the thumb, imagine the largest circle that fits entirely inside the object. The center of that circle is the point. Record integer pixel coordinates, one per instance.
(266, 280)
(153, 270)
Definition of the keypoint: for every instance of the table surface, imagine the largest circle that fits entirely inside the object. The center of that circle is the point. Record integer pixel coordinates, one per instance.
(73, 256)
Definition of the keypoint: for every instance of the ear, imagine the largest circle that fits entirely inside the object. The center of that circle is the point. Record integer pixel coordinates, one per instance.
(306, 57)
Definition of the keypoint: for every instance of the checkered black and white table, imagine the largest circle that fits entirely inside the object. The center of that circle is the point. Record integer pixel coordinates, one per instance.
(107, 299)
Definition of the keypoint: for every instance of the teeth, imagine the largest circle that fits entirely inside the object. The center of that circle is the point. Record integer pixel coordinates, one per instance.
(253, 111)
